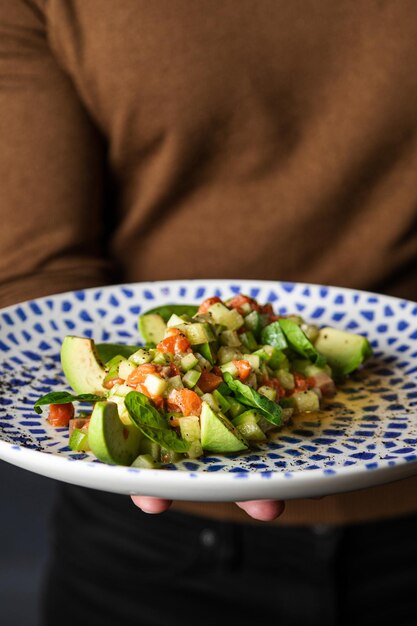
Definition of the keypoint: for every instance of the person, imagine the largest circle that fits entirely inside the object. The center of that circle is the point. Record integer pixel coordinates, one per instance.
(174, 139)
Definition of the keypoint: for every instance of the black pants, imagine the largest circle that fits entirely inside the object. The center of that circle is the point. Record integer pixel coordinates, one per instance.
(115, 565)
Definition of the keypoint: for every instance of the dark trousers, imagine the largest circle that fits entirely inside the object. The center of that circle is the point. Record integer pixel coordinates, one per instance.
(114, 565)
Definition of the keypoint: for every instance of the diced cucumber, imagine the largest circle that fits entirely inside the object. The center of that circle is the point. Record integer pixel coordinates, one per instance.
(230, 368)
(245, 308)
(190, 379)
(175, 382)
(253, 321)
(188, 362)
(151, 448)
(169, 456)
(221, 400)
(207, 350)
(155, 384)
(218, 434)
(175, 321)
(191, 432)
(236, 408)
(268, 392)
(140, 357)
(306, 368)
(248, 340)
(247, 425)
(253, 360)
(203, 362)
(125, 369)
(197, 333)
(305, 401)
(79, 440)
(209, 398)
(230, 318)
(145, 461)
(279, 360)
(113, 368)
(158, 357)
(226, 354)
(119, 390)
(230, 338)
(286, 379)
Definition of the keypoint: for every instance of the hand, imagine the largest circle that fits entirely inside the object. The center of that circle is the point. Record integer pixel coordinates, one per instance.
(262, 510)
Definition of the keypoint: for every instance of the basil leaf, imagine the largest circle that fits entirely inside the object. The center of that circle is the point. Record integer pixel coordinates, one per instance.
(300, 343)
(166, 310)
(63, 397)
(249, 397)
(152, 424)
(107, 351)
(272, 335)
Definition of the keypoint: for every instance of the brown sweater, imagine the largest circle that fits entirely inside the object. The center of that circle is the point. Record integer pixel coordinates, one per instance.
(157, 139)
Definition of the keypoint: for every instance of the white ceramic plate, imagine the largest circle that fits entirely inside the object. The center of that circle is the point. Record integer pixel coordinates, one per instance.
(368, 435)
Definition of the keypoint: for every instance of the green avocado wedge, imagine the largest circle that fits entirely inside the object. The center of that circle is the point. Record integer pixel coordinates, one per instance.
(344, 351)
(218, 434)
(109, 439)
(82, 366)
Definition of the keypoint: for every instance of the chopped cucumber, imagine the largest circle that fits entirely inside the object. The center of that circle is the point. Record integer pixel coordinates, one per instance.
(249, 341)
(145, 461)
(79, 440)
(140, 357)
(268, 392)
(230, 318)
(247, 425)
(230, 368)
(226, 354)
(190, 379)
(221, 400)
(125, 369)
(305, 401)
(152, 327)
(209, 398)
(155, 385)
(188, 362)
(230, 338)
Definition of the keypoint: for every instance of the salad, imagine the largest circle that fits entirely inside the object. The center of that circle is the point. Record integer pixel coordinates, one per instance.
(215, 378)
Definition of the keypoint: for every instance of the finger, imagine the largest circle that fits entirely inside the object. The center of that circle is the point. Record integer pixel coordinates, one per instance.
(263, 510)
(151, 505)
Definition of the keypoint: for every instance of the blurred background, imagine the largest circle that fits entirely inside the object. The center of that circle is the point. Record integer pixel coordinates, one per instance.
(26, 504)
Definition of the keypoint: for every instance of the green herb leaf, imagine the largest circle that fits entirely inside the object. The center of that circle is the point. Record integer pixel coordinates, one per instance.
(300, 343)
(152, 424)
(166, 310)
(63, 397)
(272, 335)
(107, 351)
(249, 397)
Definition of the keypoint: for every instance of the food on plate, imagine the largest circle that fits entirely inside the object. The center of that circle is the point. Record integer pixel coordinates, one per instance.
(219, 378)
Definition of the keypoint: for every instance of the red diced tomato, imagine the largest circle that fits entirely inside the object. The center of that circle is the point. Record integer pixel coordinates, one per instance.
(60, 414)
(174, 343)
(243, 368)
(184, 400)
(208, 381)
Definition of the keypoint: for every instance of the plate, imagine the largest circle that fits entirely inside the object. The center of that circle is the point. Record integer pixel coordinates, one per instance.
(366, 436)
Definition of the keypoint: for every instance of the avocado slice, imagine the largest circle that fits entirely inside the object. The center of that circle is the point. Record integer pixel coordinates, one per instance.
(344, 351)
(218, 434)
(82, 366)
(109, 439)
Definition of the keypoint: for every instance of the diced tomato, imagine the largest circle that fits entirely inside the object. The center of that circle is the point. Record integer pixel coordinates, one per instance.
(216, 370)
(237, 301)
(157, 400)
(175, 342)
(207, 303)
(140, 373)
(60, 414)
(114, 381)
(301, 382)
(208, 381)
(243, 368)
(185, 400)
(80, 422)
